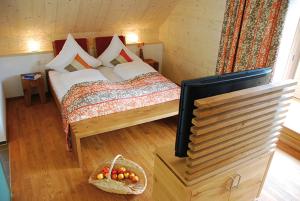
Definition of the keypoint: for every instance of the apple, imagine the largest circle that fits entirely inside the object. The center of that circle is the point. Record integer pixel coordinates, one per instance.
(131, 175)
(114, 176)
(100, 176)
(121, 176)
(135, 179)
(114, 171)
(105, 170)
(121, 170)
(126, 175)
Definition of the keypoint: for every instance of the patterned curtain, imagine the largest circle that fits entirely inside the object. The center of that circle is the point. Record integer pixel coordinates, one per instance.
(250, 34)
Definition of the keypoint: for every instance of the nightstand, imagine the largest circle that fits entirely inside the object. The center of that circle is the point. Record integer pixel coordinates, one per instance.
(152, 63)
(30, 85)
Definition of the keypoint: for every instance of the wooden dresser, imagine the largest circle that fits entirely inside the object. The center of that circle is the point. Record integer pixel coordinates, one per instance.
(231, 146)
(241, 183)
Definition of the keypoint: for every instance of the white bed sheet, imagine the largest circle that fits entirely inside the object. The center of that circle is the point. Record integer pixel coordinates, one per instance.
(109, 73)
(132, 69)
(62, 82)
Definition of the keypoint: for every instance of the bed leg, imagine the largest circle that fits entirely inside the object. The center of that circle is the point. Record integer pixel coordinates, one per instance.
(76, 148)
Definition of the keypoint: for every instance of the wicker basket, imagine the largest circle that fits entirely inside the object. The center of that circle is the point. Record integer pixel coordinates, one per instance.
(113, 186)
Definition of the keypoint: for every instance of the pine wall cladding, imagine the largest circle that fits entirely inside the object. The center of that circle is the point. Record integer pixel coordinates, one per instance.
(46, 20)
(189, 29)
(191, 36)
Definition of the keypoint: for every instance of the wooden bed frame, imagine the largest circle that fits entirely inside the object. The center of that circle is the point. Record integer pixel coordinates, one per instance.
(114, 121)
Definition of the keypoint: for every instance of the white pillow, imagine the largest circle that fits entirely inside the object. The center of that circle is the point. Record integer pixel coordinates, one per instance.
(67, 54)
(113, 50)
(130, 70)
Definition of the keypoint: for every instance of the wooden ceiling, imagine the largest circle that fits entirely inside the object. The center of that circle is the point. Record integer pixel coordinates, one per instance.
(46, 20)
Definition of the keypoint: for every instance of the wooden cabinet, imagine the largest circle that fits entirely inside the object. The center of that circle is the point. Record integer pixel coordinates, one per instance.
(241, 183)
(231, 146)
(152, 63)
(30, 85)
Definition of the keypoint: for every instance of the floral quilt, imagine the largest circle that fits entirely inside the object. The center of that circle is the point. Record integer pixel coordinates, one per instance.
(91, 99)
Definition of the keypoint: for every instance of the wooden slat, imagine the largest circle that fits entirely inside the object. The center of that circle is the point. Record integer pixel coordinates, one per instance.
(228, 151)
(242, 94)
(124, 119)
(240, 111)
(236, 127)
(238, 143)
(289, 150)
(281, 95)
(231, 130)
(290, 141)
(234, 135)
(270, 111)
(291, 133)
(229, 158)
(227, 165)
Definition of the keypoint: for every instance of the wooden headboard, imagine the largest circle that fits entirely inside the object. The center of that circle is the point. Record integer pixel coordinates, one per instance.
(58, 45)
(103, 42)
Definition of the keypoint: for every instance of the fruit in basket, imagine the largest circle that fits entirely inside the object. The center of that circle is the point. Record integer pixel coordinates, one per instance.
(135, 179)
(100, 176)
(131, 175)
(114, 171)
(114, 176)
(105, 170)
(121, 170)
(121, 176)
(126, 175)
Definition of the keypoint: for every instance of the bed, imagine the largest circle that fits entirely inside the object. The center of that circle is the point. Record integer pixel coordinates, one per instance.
(110, 122)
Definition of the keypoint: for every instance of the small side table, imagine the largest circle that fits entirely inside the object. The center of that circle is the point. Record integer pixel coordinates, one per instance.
(152, 63)
(30, 85)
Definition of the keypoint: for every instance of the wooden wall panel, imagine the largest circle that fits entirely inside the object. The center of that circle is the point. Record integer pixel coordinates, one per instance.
(191, 36)
(46, 20)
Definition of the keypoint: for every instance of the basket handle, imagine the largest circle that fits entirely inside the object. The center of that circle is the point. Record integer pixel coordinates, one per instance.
(145, 177)
(113, 164)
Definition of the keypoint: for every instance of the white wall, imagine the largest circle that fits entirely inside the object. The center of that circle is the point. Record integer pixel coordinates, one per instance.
(2, 115)
(151, 51)
(297, 78)
(289, 29)
(12, 66)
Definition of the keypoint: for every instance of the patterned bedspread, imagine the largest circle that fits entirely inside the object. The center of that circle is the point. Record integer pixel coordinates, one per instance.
(91, 99)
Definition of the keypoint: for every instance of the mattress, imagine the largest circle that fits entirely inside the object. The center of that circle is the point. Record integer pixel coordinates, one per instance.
(62, 82)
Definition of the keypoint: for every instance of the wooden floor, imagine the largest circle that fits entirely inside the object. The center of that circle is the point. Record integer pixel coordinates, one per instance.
(42, 169)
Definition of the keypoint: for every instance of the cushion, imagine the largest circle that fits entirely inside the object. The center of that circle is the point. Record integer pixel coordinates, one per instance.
(113, 51)
(122, 58)
(58, 45)
(103, 42)
(67, 54)
(77, 64)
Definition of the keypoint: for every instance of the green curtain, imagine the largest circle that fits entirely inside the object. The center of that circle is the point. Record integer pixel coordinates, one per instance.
(250, 34)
